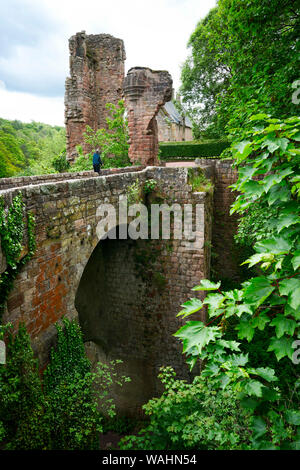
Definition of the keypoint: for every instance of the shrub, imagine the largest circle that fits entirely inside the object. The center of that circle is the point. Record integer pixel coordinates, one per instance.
(191, 416)
(60, 163)
(266, 306)
(112, 141)
(198, 180)
(68, 358)
(21, 397)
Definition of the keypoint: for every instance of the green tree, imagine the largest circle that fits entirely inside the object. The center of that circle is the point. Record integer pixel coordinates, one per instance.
(28, 149)
(269, 302)
(11, 156)
(243, 60)
(113, 142)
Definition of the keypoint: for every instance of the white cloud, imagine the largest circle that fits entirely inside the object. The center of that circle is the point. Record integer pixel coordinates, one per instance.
(35, 57)
(27, 107)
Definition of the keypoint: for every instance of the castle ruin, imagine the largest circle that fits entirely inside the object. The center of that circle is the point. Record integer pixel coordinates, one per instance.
(97, 78)
(97, 75)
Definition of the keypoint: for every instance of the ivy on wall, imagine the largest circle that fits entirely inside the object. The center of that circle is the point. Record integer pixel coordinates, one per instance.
(13, 225)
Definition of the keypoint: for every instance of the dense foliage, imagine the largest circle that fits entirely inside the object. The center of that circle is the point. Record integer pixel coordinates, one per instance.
(244, 55)
(63, 409)
(191, 150)
(60, 162)
(28, 149)
(191, 416)
(113, 141)
(269, 302)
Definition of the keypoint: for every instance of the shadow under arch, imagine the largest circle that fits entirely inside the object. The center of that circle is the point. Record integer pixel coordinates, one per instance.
(114, 309)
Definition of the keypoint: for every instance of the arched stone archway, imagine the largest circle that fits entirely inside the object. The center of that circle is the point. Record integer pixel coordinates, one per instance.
(118, 309)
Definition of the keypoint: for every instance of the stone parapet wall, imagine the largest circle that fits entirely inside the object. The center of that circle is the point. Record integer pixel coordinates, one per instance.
(145, 91)
(226, 261)
(7, 183)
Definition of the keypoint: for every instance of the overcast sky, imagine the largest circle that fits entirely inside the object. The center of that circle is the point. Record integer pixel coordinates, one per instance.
(34, 57)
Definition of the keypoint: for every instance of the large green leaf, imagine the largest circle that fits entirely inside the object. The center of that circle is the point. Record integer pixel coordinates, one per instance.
(266, 373)
(258, 290)
(258, 258)
(282, 347)
(259, 427)
(260, 321)
(286, 286)
(276, 245)
(296, 260)
(190, 306)
(253, 387)
(271, 143)
(293, 417)
(286, 220)
(294, 299)
(244, 149)
(215, 301)
(245, 329)
(195, 335)
(207, 285)
(252, 189)
(283, 325)
(259, 117)
(279, 193)
(291, 288)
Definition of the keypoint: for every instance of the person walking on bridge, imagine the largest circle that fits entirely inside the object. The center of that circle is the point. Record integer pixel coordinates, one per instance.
(97, 162)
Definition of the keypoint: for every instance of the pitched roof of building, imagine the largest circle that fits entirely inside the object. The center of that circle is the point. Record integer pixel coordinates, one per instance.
(174, 115)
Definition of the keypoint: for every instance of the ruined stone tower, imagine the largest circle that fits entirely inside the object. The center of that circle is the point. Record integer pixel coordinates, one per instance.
(97, 74)
(145, 91)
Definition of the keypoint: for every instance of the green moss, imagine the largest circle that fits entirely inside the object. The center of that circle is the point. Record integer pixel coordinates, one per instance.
(159, 280)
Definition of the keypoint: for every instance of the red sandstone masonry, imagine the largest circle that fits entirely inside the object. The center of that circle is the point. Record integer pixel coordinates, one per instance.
(6, 183)
(97, 74)
(225, 261)
(146, 91)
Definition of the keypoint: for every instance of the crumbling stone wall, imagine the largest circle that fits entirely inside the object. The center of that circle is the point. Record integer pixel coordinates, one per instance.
(97, 74)
(227, 260)
(226, 257)
(145, 91)
(145, 289)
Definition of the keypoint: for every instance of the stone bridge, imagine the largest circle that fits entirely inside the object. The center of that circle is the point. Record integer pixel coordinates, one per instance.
(126, 293)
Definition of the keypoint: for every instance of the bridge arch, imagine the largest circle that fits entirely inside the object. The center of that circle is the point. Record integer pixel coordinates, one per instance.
(119, 312)
(157, 277)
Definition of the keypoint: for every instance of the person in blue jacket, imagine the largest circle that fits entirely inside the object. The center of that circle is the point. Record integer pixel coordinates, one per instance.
(97, 162)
